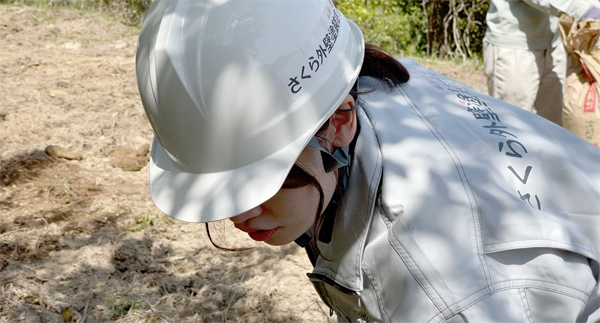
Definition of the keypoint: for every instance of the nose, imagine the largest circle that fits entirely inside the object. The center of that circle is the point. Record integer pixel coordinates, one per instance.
(243, 217)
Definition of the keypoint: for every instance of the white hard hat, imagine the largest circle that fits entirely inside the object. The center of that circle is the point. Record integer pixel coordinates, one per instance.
(234, 91)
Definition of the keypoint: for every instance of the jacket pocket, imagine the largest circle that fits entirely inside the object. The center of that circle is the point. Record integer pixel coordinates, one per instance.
(568, 237)
(548, 255)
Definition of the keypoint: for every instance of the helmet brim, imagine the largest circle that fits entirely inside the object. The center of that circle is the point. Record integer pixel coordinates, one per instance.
(211, 197)
(207, 197)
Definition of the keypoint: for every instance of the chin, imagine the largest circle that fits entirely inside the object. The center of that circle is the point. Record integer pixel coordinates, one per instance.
(277, 241)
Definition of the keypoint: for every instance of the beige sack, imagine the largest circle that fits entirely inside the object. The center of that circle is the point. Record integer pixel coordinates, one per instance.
(581, 104)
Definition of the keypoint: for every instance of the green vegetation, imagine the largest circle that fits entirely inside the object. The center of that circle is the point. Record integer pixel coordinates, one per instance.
(427, 28)
(442, 28)
(143, 223)
(397, 26)
(150, 220)
(122, 307)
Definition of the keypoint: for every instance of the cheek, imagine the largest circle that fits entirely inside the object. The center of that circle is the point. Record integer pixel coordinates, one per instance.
(295, 206)
(294, 212)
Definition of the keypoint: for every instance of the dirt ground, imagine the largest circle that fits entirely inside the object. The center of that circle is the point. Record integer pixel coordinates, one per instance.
(80, 240)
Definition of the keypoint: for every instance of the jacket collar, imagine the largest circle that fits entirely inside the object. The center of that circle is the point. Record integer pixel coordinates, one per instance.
(341, 258)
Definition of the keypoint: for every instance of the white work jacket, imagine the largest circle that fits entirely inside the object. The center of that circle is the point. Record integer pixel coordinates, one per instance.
(461, 208)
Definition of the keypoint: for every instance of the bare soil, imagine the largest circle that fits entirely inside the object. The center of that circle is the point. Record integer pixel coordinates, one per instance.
(80, 239)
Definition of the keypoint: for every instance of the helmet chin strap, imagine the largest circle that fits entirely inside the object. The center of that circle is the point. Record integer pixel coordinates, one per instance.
(340, 158)
(331, 162)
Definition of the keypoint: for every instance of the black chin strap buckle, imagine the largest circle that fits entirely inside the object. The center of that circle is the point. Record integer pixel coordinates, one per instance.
(303, 240)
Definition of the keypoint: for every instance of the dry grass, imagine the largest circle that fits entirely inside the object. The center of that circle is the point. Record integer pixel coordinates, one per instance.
(81, 238)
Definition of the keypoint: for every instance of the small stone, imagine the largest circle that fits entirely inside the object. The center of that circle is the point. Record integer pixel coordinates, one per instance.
(63, 84)
(59, 152)
(30, 317)
(32, 95)
(129, 159)
(50, 317)
(72, 45)
(143, 150)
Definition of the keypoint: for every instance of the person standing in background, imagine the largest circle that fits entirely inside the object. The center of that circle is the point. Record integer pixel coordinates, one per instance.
(523, 56)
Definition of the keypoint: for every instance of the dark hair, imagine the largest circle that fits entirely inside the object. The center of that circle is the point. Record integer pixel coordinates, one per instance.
(377, 64)
(383, 67)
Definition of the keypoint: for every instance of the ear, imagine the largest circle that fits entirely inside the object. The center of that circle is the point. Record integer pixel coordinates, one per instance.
(344, 123)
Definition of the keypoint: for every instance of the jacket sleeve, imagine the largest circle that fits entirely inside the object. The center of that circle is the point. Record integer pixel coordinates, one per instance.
(574, 8)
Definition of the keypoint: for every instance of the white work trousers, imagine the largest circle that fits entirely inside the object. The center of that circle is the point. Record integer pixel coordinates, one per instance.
(533, 80)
